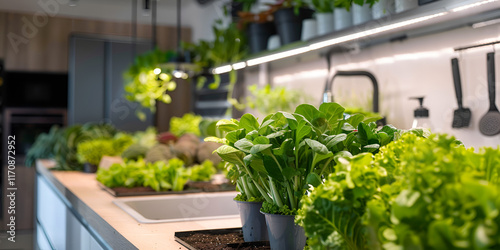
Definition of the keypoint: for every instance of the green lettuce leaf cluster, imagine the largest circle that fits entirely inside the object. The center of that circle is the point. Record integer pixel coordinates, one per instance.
(171, 175)
(416, 193)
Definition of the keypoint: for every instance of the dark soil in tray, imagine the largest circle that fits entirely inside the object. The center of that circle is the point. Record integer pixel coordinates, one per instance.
(218, 239)
(191, 187)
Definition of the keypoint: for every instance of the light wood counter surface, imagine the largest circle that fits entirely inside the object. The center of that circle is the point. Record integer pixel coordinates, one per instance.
(114, 225)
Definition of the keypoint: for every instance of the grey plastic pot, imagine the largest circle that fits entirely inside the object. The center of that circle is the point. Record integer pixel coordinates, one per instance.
(284, 234)
(252, 221)
(89, 168)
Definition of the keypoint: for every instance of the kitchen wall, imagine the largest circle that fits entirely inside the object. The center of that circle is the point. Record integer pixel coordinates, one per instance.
(30, 45)
(415, 67)
(198, 17)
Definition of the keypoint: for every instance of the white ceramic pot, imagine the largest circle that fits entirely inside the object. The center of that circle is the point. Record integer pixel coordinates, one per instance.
(361, 14)
(383, 8)
(342, 18)
(273, 42)
(404, 5)
(309, 29)
(325, 23)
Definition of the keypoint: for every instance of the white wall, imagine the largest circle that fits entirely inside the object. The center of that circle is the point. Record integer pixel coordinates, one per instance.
(415, 67)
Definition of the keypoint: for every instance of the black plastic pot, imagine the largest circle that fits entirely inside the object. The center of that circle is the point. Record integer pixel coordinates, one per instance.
(289, 25)
(89, 168)
(258, 35)
(284, 233)
(253, 223)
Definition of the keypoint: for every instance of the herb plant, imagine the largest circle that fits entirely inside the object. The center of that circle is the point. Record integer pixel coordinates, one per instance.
(286, 153)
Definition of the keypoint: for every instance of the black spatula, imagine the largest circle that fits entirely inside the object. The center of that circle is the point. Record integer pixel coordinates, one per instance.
(490, 123)
(461, 116)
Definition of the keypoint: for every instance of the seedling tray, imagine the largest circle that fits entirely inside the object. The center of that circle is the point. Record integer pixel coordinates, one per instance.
(221, 239)
(191, 187)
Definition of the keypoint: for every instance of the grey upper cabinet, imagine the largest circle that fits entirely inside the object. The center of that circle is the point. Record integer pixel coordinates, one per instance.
(96, 93)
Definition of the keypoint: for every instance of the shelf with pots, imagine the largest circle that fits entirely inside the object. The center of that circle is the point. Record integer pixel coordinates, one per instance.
(403, 23)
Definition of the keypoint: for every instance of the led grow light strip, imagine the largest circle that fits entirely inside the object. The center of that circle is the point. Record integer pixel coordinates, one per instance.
(371, 32)
(338, 40)
(465, 7)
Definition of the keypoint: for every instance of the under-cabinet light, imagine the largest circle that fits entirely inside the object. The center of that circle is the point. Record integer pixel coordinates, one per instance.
(277, 56)
(342, 39)
(371, 32)
(222, 69)
(468, 6)
(485, 23)
(239, 65)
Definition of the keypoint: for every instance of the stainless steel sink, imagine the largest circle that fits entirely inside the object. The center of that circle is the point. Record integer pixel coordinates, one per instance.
(201, 206)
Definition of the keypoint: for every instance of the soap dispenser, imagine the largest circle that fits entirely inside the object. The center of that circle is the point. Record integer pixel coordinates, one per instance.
(421, 115)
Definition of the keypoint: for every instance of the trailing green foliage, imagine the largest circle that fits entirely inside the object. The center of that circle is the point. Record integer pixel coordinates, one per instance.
(416, 193)
(188, 123)
(282, 156)
(144, 86)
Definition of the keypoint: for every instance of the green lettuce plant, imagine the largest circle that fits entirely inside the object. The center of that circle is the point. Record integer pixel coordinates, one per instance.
(188, 123)
(416, 193)
(171, 175)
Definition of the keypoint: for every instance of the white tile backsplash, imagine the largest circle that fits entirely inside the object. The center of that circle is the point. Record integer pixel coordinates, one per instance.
(418, 66)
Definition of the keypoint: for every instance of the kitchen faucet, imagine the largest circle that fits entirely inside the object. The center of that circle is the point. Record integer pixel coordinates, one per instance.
(328, 95)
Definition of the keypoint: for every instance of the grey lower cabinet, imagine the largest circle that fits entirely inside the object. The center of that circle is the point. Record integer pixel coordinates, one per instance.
(58, 226)
(96, 85)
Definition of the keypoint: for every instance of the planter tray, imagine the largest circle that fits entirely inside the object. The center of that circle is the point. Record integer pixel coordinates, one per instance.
(227, 238)
(191, 187)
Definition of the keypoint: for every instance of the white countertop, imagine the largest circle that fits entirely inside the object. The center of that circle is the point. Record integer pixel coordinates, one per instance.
(113, 224)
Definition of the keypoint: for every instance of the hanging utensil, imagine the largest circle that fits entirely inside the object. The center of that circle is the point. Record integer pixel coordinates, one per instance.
(461, 116)
(490, 123)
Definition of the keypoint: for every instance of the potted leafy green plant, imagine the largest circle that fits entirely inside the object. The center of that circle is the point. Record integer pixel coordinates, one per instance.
(249, 203)
(288, 19)
(259, 27)
(324, 15)
(90, 153)
(287, 153)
